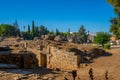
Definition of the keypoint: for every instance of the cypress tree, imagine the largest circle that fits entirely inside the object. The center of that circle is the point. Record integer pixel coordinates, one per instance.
(33, 28)
(29, 29)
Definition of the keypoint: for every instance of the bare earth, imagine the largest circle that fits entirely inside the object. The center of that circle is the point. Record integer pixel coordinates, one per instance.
(100, 65)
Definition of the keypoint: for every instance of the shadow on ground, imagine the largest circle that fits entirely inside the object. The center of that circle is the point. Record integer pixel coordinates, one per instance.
(41, 71)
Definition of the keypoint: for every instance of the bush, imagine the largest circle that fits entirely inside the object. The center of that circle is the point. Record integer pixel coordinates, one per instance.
(107, 46)
(102, 38)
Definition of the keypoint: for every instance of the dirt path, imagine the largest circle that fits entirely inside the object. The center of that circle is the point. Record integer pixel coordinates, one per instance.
(100, 65)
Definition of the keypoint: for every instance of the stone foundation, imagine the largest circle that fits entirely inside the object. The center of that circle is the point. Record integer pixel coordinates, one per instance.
(63, 60)
(24, 60)
(50, 54)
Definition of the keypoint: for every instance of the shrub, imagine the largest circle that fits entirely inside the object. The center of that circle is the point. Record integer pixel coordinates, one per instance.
(107, 46)
(102, 38)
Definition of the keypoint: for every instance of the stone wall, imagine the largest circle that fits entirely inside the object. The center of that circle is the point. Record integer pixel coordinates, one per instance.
(61, 59)
(62, 56)
(51, 54)
(21, 60)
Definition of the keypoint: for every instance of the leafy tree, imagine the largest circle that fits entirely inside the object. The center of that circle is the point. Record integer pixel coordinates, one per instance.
(7, 30)
(115, 27)
(17, 30)
(115, 3)
(82, 35)
(102, 38)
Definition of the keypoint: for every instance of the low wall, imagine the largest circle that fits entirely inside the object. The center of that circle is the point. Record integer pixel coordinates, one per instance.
(24, 60)
(61, 59)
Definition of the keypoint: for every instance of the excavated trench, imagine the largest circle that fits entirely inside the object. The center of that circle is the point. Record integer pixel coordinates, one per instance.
(22, 59)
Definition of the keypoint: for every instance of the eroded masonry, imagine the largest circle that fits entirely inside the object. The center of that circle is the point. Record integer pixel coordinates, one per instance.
(46, 53)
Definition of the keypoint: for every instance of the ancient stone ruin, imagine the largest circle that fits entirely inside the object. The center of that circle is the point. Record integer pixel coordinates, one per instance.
(47, 53)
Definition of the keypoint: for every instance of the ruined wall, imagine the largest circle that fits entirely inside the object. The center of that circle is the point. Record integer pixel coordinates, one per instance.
(25, 60)
(51, 56)
(57, 55)
(61, 59)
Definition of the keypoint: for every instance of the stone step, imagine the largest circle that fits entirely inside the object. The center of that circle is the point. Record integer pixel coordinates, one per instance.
(7, 66)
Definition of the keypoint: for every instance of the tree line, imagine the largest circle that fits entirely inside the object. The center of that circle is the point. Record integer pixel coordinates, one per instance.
(79, 37)
(7, 30)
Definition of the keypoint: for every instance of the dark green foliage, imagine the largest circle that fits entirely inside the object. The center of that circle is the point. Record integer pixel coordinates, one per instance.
(114, 3)
(33, 28)
(26, 36)
(102, 38)
(29, 29)
(43, 30)
(63, 33)
(82, 35)
(38, 31)
(7, 30)
(57, 32)
(115, 27)
(107, 46)
(51, 33)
